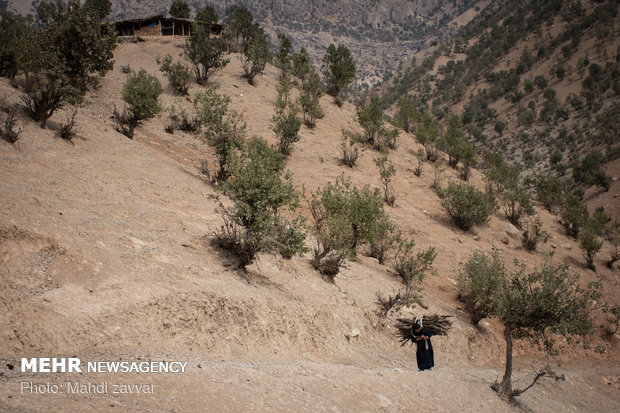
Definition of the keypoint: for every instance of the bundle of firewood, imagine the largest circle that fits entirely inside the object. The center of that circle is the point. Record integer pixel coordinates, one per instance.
(437, 325)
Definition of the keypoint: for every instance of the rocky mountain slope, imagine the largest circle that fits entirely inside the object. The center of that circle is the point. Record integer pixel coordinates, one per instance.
(546, 72)
(105, 256)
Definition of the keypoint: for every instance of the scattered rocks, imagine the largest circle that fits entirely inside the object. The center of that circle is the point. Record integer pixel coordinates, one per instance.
(554, 246)
(504, 239)
(476, 238)
(566, 246)
(355, 333)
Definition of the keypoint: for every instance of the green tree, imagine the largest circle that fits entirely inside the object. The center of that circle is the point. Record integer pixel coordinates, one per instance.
(550, 191)
(14, 30)
(589, 171)
(590, 243)
(478, 281)
(466, 205)
(222, 129)
(141, 92)
(406, 115)
(370, 118)
(309, 99)
(256, 56)
(287, 130)
(63, 58)
(427, 134)
(536, 306)
(516, 203)
(532, 306)
(260, 190)
(180, 9)
(207, 17)
(575, 215)
(99, 8)
(239, 27)
(454, 140)
(339, 71)
(205, 53)
(301, 65)
(499, 175)
(283, 55)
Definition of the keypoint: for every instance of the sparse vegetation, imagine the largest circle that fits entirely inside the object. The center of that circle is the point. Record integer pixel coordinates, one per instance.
(222, 129)
(259, 192)
(387, 170)
(177, 73)
(466, 205)
(344, 216)
(412, 267)
(533, 234)
(350, 149)
(141, 92)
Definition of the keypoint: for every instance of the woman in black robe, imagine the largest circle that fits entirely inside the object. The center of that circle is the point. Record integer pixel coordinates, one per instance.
(424, 353)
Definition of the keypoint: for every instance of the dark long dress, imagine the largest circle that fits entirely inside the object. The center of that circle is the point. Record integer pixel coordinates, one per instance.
(424, 353)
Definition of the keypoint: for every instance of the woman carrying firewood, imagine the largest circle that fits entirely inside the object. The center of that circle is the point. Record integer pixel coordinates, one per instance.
(424, 352)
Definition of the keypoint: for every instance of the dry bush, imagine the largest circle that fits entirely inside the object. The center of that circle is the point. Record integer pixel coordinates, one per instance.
(350, 149)
(7, 125)
(66, 131)
(385, 304)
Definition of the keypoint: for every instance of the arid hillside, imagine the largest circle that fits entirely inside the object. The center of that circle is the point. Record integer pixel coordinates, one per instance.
(105, 255)
(537, 82)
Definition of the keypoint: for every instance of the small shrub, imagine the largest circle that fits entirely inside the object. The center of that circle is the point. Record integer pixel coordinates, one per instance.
(141, 92)
(550, 191)
(259, 191)
(287, 130)
(533, 234)
(126, 69)
(412, 267)
(590, 243)
(466, 205)
(8, 122)
(516, 202)
(66, 128)
(177, 73)
(222, 129)
(386, 173)
(385, 304)
(575, 215)
(350, 149)
(309, 99)
(344, 217)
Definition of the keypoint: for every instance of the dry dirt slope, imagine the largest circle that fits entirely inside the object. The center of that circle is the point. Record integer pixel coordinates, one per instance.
(102, 257)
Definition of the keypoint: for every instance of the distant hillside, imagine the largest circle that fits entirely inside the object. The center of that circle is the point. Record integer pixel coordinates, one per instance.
(381, 34)
(538, 81)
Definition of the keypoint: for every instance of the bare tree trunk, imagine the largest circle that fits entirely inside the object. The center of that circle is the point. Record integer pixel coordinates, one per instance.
(505, 387)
